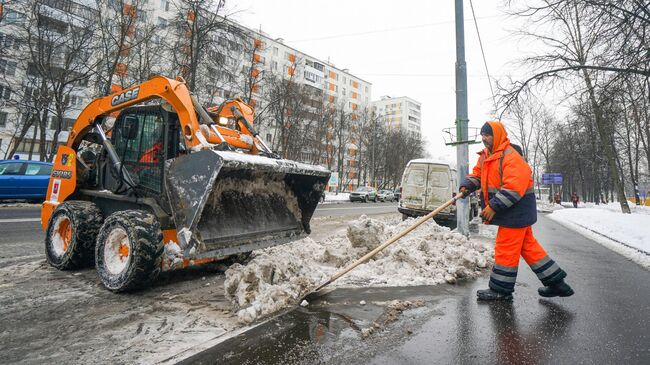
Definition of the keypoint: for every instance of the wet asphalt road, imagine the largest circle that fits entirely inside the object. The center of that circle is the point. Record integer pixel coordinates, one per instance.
(607, 321)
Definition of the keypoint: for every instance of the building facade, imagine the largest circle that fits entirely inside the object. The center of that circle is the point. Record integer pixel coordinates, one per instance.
(400, 113)
(241, 66)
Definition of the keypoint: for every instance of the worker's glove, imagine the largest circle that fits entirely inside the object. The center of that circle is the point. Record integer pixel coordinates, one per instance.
(487, 214)
(464, 191)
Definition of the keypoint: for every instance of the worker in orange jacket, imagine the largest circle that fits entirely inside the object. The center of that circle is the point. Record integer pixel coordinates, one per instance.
(508, 201)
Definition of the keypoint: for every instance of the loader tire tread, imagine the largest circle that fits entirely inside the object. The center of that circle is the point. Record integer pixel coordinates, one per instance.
(147, 247)
(86, 220)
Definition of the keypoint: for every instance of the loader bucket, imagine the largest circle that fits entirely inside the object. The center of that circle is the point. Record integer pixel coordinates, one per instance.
(227, 202)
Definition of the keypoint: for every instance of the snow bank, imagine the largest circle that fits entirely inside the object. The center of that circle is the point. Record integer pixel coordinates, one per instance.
(546, 207)
(616, 207)
(627, 234)
(277, 277)
(336, 198)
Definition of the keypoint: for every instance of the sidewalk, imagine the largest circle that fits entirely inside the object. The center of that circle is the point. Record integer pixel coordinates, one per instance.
(626, 234)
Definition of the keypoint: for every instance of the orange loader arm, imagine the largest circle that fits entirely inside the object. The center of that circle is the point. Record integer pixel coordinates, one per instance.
(178, 96)
(173, 91)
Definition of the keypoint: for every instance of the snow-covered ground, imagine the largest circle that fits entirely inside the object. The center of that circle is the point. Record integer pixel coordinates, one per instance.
(627, 234)
(277, 277)
(332, 198)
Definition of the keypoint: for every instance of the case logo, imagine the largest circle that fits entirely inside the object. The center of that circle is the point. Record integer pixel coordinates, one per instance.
(125, 96)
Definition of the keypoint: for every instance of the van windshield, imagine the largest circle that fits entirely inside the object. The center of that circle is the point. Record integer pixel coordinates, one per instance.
(362, 188)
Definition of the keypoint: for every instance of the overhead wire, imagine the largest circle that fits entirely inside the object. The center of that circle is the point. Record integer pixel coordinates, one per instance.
(480, 42)
(416, 26)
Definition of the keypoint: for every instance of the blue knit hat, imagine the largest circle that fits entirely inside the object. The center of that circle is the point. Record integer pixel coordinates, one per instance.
(487, 129)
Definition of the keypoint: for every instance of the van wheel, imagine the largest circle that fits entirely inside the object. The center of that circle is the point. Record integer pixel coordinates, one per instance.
(71, 233)
(129, 250)
(365, 199)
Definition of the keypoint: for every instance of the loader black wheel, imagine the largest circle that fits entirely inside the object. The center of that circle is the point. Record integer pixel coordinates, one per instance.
(71, 233)
(129, 250)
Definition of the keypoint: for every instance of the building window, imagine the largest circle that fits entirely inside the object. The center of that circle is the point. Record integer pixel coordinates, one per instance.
(5, 92)
(7, 68)
(274, 65)
(3, 119)
(275, 51)
(13, 16)
(9, 41)
(65, 125)
(164, 5)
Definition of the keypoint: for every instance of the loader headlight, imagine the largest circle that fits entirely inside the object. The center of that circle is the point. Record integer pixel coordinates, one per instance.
(223, 121)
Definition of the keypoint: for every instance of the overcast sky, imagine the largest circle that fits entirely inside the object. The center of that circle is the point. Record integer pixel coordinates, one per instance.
(404, 48)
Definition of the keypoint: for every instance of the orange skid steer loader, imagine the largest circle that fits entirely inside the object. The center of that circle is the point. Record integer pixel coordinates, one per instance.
(168, 185)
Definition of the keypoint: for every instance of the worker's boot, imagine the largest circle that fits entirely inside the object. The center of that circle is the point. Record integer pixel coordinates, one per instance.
(558, 289)
(489, 294)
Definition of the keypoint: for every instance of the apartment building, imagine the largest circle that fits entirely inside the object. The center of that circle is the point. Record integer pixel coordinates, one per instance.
(400, 113)
(330, 84)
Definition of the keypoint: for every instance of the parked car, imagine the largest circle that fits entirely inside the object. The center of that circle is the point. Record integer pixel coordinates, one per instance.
(24, 179)
(426, 185)
(386, 196)
(364, 194)
(398, 193)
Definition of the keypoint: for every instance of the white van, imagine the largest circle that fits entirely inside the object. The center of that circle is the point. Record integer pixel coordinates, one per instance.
(426, 185)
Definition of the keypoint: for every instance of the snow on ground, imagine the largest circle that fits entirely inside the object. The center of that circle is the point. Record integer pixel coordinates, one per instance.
(277, 277)
(331, 198)
(18, 204)
(546, 207)
(627, 234)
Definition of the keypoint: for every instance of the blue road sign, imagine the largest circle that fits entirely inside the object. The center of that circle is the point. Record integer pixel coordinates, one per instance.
(552, 179)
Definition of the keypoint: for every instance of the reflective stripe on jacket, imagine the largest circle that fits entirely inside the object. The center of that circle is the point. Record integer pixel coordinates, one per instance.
(506, 182)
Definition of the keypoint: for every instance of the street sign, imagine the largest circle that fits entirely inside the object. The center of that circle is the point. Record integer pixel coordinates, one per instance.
(334, 179)
(552, 179)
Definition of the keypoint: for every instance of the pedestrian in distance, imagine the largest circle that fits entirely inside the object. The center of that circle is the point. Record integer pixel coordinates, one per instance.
(508, 201)
(575, 199)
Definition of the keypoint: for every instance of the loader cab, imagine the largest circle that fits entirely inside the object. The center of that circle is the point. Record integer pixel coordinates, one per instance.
(143, 138)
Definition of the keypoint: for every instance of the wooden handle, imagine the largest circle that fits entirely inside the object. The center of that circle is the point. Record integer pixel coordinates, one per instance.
(392, 240)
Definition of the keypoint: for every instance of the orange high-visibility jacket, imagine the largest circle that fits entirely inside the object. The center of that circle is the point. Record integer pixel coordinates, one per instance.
(506, 182)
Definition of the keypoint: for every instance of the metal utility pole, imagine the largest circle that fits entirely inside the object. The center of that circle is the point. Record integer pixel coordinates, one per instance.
(462, 205)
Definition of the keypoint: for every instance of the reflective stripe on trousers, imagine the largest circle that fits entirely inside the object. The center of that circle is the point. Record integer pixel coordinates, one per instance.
(512, 243)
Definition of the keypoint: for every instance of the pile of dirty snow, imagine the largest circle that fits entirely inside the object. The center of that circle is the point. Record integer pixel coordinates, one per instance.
(277, 277)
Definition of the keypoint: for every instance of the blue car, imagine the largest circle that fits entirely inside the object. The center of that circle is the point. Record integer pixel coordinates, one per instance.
(24, 179)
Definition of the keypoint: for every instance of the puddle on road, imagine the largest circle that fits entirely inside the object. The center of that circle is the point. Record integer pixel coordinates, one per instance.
(331, 328)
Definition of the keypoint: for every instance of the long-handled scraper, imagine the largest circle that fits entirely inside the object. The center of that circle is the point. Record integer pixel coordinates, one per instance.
(314, 294)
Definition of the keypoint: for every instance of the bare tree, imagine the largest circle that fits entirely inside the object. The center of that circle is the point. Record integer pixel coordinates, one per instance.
(573, 35)
(196, 25)
(123, 31)
(54, 57)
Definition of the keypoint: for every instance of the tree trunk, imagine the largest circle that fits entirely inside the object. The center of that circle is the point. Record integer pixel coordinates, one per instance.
(610, 154)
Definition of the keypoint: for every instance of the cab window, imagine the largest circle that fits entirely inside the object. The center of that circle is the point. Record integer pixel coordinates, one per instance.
(138, 140)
